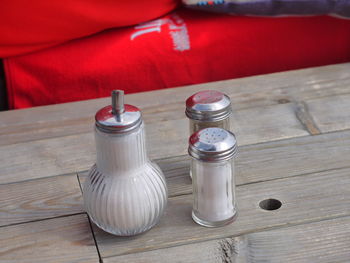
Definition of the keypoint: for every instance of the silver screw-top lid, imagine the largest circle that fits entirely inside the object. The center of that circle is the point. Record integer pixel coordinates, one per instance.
(212, 144)
(208, 105)
(118, 117)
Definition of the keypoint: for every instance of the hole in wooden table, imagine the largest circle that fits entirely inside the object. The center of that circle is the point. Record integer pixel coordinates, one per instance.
(270, 204)
(283, 101)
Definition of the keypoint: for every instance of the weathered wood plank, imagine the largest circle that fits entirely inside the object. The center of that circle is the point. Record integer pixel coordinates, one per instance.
(304, 199)
(74, 153)
(39, 199)
(262, 113)
(251, 126)
(267, 161)
(72, 118)
(331, 113)
(45, 158)
(65, 239)
(325, 241)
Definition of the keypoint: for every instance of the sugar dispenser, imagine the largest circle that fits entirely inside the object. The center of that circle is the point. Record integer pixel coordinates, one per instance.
(209, 108)
(125, 193)
(213, 176)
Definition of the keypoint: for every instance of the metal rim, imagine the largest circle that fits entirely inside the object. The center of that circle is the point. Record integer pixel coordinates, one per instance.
(119, 130)
(212, 157)
(118, 117)
(208, 105)
(212, 144)
(209, 116)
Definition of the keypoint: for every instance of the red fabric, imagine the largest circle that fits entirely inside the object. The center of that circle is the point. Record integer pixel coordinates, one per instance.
(32, 25)
(221, 47)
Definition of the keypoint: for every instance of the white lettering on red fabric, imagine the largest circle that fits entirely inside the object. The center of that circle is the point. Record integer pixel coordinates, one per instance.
(177, 31)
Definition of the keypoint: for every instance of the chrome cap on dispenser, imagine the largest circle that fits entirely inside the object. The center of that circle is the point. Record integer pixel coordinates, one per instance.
(212, 144)
(208, 105)
(118, 117)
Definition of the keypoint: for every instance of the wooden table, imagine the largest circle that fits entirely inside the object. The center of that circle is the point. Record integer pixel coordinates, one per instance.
(294, 137)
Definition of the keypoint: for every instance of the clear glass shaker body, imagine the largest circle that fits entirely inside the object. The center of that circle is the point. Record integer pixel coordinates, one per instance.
(125, 194)
(212, 152)
(196, 125)
(209, 108)
(213, 183)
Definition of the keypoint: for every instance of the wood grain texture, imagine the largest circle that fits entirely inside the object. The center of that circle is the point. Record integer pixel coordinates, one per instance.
(268, 161)
(69, 154)
(309, 174)
(73, 118)
(39, 199)
(65, 239)
(305, 118)
(45, 158)
(304, 199)
(325, 241)
(170, 138)
(331, 113)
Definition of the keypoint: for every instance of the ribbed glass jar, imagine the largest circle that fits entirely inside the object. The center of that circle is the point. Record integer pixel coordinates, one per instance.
(125, 194)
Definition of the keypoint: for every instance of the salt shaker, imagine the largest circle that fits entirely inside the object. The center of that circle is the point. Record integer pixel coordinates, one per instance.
(125, 193)
(213, 176)
(209, 108)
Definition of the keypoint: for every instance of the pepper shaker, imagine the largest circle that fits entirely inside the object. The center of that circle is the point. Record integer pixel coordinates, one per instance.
(125, 193)
(213, 176)
(209, 108)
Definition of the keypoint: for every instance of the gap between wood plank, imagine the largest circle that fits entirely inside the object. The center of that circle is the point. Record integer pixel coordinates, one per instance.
(90, 224)
(170, 158)
(65, 239)
(316, 83)
(77, 152)
(268, 229)
(247, 232)
(46, 177)
(305, 199)
(177, 195)
(288, 178)
(43, 219)
(255, 168)
(277, 178)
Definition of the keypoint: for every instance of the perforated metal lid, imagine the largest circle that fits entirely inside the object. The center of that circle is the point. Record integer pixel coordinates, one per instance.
(118, 117)
(212, 144)
(208, 105)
